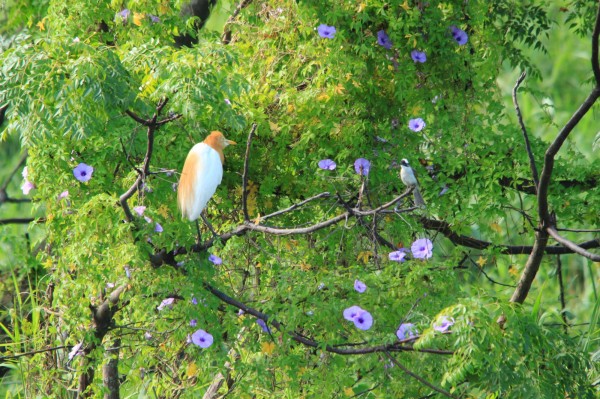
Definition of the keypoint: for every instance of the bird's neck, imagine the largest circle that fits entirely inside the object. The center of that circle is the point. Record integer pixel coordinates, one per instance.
(213, 143)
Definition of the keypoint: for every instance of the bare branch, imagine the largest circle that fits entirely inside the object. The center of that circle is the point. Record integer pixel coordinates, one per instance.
(245, 174)
(532, 166)
(417, 377)
(595, 35)
(295, 206)
(561, 286)
(4, 358)
(14, 171)
(16, 221)
(572, 246)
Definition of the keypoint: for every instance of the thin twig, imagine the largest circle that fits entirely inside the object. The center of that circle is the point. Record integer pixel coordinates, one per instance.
(418, 377)
(17, 221)
(562, 294)
(245, 174)
(226, 37)
(4, 358)
(295, 206)
(532, 166)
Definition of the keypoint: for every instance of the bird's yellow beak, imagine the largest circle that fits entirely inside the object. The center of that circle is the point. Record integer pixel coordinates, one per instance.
(230, 142)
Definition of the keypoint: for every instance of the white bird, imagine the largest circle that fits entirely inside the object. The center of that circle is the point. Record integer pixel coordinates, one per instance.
(409, 178)
(202, 173)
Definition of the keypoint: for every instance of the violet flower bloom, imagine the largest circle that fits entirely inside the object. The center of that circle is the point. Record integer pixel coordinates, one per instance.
(64, 194)
(75, 351)
(360, 286)
(406, 330)
(139, 210)
(124, 14)
(326, 32)
(166, 303)
(422, 248)
(321, 286)
(363, 320)
(241, 312)
(27, 187)
(459, 35)
(397, 256)
(202, 338)
(362, 166)
(83, 172)
(194, 301)
(418, 56)
(215, 259)
(351, 312)
(147, 335)
(154, 18)
(193, 323)
(444, 324)
(416, 125)
(384, 40)
(227, 101)
(158, 228)
(327, 164)
(127, 272)
(263, 325)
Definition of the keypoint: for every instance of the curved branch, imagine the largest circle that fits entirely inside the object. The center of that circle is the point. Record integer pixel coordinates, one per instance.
(396, 347)
(534, 171)
(572, 246)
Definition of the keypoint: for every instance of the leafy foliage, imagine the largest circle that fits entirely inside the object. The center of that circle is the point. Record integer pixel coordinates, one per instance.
(97, 85)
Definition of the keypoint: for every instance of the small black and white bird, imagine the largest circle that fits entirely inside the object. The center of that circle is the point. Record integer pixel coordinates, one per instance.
(409, 178)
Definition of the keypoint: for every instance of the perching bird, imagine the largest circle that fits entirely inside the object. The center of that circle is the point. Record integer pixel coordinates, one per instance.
(409, 178)
(202, 173)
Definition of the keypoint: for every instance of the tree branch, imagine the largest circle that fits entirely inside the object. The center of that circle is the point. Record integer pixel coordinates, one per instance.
(245, 174)
(226, 37)
(396, 347)
(417, 377)
(572, 246)
(532, 166)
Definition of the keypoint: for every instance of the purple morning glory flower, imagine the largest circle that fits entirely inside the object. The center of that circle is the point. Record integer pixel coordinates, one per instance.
(158, 228)
(397, 256)
(459, 35)
(215, 259)
(327, 164)
(193, 323)
(444, 324)
(64, 194)
(241, 312)
(362, 166)
(351, 312)
(202, 338)
(154, 18)
(166, 303)
(127, 272)
(83, 172)
(194, 301)
(27, 187)
(227, 101)
(147, 335)
(75, 351)
(422, 248)
(263, 325)
(406, 330)
(418, 56)
(416, 125)
(384, 40)
(360, 286)
(363, 320)
(326, 32)
(124, 14)
(139, 210)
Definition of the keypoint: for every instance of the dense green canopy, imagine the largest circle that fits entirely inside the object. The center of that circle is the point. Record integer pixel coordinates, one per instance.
(323, 278)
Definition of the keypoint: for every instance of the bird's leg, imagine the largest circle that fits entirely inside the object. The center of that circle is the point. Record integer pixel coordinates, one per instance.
(215, 235)
(199, 234)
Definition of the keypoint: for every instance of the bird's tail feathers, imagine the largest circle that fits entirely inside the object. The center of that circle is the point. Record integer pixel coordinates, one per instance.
(418, 197)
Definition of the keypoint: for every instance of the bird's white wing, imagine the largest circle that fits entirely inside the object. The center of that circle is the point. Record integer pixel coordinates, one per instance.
(203, 172)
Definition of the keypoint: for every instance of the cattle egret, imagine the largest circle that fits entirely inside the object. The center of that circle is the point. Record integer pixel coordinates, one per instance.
(202, 173)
